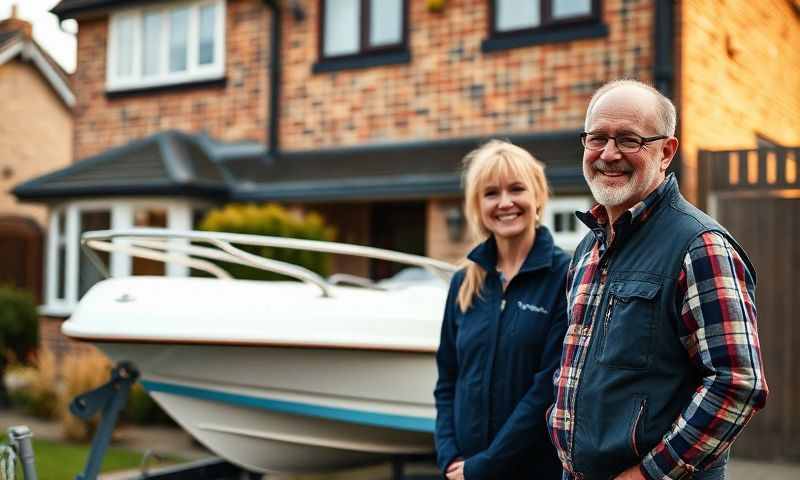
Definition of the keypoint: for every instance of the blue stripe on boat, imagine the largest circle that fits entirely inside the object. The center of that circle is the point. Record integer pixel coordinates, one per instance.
(401, 422)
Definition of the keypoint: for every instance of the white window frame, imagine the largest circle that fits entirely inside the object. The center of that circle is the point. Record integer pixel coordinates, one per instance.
(566, 205)
(194, 71)
(179, 217)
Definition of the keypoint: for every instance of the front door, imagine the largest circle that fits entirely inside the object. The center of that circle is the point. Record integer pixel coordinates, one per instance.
(396, 226)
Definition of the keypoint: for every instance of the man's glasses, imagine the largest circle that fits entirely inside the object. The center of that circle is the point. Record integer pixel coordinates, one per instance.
(627, 143)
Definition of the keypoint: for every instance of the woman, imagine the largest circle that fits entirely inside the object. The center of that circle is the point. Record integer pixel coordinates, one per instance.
(503, 327)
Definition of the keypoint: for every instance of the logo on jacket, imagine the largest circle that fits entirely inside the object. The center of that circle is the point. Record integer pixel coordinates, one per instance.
(531, 308)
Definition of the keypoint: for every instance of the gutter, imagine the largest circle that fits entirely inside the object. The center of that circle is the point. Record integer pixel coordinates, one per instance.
(664, 59)
(273, 112)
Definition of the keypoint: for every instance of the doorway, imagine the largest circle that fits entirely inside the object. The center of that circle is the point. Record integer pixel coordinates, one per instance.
(399, 226)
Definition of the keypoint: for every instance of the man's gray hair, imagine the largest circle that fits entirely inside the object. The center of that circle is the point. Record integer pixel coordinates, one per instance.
(665, 109)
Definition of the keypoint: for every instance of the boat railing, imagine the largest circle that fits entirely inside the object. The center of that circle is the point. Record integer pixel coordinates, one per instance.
(181, 247)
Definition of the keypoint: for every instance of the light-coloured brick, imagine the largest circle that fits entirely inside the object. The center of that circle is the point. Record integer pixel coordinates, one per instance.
(35, 134)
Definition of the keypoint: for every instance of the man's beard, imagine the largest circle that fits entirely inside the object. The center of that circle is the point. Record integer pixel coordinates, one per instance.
(612, 196)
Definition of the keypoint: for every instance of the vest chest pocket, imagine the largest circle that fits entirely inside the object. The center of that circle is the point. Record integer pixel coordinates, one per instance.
(627, 324)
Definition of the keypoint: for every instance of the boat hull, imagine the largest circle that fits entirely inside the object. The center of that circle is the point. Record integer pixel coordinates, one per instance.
(292, 410)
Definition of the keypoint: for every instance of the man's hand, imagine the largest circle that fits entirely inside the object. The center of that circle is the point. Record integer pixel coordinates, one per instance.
(455, 471)
(632, 473)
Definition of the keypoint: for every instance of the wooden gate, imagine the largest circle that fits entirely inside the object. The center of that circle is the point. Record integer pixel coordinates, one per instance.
(21, 244)
(755, 194)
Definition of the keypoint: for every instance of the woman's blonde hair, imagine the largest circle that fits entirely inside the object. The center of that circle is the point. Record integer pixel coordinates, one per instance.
(488, 163)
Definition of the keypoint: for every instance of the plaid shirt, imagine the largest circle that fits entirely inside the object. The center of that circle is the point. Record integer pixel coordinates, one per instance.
(717, 327)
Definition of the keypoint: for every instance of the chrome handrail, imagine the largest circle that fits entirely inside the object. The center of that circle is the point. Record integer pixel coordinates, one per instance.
(157, 244)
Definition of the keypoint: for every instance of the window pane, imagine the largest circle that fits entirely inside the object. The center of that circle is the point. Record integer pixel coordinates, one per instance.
(125, 27)
(517, 14)
(206, 31)
(88, 274)
(178, 31)
(156, 217)
(558, 222)
(151, 43)
(571, 8)
(385, 22)
(61, 256)
(341, 27)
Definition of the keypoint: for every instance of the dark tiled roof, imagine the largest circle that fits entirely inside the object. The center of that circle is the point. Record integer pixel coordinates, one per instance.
(395, 170)
(167, 163)
(175, 163)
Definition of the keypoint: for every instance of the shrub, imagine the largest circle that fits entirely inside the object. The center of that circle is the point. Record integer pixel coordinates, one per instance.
(41, 391)
(80, 373)
(19, 329)
(272, 220)
(37, 393)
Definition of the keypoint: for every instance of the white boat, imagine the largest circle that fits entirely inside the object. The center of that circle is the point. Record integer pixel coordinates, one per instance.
(281, 376)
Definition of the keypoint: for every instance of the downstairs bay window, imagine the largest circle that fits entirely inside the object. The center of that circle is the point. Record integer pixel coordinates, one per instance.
(70, 273)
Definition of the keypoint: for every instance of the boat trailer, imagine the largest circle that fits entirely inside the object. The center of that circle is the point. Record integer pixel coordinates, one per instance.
(109, 400)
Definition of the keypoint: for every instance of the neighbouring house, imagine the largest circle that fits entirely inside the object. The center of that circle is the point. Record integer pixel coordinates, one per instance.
(363, 110)
(35, 138)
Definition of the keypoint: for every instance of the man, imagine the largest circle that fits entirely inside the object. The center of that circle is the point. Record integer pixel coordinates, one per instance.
(661, 366)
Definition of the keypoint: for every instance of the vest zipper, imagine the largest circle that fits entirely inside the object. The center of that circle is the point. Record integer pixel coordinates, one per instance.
(607, 318)
(635, 427)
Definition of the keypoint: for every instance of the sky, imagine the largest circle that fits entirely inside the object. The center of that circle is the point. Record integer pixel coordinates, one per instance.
(58, 43)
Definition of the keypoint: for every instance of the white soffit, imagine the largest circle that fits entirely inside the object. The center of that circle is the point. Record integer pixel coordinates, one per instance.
(31, 52)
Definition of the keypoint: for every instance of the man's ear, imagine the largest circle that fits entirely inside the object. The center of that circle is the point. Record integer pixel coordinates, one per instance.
(668, 150)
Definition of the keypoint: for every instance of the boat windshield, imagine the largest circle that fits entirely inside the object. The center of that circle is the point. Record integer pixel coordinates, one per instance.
(408, 277)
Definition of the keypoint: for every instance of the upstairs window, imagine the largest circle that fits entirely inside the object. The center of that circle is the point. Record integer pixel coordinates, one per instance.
(357, 27)
(521, 23)
(169, 44)
(521, 15)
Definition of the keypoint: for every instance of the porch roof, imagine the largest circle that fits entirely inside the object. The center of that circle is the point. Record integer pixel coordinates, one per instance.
(178, 163)
(167, 163)
(396, 170)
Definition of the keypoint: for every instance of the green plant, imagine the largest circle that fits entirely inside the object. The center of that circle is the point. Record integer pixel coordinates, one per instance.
(272, 220)
(19, 330)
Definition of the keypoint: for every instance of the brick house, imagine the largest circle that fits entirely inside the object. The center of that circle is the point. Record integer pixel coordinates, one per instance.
(363, 109)
(37, 101)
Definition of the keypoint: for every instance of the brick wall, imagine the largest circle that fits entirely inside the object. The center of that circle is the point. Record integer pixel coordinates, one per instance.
(740, 77)
(450, 88)
(438, 242)
(235, 111)
(35, 134)
(51, 338)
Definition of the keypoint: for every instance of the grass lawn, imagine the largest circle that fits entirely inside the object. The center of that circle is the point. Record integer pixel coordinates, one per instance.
(64, 461)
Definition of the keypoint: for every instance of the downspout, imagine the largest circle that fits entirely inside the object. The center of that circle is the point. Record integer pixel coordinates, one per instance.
(664, 61)
(273, 112)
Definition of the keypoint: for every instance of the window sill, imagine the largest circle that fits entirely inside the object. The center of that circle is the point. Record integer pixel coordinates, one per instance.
(55, 310)
(525, 39)
(119, 92)
(361, 61)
